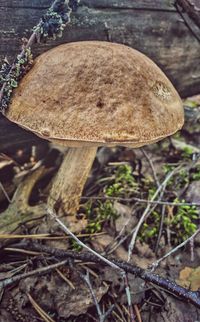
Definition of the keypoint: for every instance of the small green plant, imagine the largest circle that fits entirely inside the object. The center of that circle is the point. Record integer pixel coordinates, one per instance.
(150, 230)
(122, 185)
(187, 152)
(179, 179)
(182, 223)
(168, 168)
(75, 246)
(196, 174)
(98, 215)
(124, 182)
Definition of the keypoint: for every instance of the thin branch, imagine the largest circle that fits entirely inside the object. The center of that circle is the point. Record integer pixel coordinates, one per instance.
(191, 9)
(66, 230)
(128, 296)
(5, 193)
(102, 316)
(38, 272)
(153, 202)
(137, 313)
(39, 310)
(179, 10)
(145, 213)
(152, 167)
(169, 286)
(172, 251)
(160, 228)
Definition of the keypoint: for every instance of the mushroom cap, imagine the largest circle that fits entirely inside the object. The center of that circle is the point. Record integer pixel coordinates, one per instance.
(96, 93)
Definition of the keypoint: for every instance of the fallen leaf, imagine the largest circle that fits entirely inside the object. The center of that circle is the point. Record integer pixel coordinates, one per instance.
(190, 277)
(126, 219)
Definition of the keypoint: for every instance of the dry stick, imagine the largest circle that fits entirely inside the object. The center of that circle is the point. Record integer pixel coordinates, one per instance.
(152, 202)
(191, 9)
(122, 240)
(192, 250)
(179, 10)
(152, 167)
(160, 228)
(170, 286)
(128, 295)
(66, 230)
(102, 316)
(144, 215)
(137, 313)
(39, 271)
(155, 264)
(5, 193)
(163, 206)
(39, 310)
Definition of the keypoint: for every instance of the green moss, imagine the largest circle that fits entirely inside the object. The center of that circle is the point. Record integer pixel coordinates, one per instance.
(195, 175)
(75, 246)
(187, 152)
(180, 220)
(122, 184)
(99, 215)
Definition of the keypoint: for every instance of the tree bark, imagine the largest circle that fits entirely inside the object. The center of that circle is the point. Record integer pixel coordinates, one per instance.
(192, 8)
(153, 27)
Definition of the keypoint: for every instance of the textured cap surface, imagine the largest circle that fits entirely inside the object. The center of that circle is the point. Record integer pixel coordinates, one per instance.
(96, 93)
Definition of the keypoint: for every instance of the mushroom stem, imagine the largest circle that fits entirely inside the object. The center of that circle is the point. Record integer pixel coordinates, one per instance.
(69, 182)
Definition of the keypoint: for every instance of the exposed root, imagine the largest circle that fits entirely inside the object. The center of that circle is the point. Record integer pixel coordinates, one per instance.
(19, 211)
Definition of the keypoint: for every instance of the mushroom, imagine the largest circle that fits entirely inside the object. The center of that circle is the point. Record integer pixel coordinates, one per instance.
(88, 94)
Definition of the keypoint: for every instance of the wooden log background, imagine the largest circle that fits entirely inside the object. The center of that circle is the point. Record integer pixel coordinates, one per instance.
(154, 27)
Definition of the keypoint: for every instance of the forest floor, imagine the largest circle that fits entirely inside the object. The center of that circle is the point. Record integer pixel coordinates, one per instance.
(161, 180)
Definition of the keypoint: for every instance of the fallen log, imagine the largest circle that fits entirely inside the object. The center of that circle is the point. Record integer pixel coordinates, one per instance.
(153, 27)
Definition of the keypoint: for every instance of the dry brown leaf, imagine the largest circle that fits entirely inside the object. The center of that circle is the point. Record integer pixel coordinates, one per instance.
(79, 301)
(190, 277)
(54, 295)
(126, 219)
(100, 243)
(192, 194)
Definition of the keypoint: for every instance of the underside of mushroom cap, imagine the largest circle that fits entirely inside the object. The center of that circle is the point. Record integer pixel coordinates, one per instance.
(96, 93)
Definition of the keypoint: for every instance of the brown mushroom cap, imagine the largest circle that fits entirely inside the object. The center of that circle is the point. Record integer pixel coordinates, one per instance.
(96, 93)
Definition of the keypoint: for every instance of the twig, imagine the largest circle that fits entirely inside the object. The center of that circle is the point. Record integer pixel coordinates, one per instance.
(192, 250)
(192, 10)
(153, 202)
(155, 264)
(160, 228)
(5, 193)
(144, 215)
(39, 310)
(170, 286)
(66, 230)
(128, 295)
(102, 316)
(46, 236)
(65, 279)
(39, 271)
(137, 313)
(152, 167)
(177, 3)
